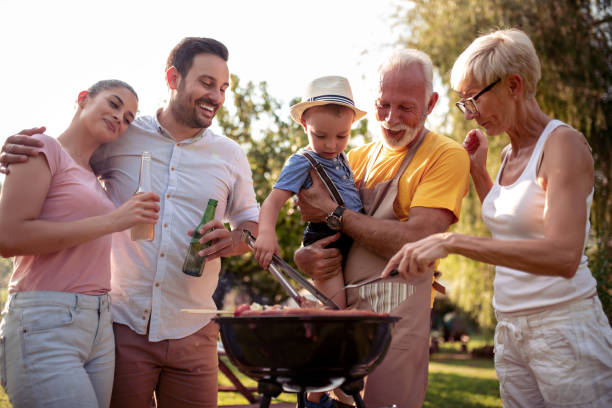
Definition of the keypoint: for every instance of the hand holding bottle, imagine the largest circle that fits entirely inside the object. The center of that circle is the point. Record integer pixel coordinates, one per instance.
(194, 262)
(139, 209)
(220, 241)
(144, 231)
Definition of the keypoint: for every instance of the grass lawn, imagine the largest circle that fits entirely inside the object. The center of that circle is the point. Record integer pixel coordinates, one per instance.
(454, 381)
(4, 402)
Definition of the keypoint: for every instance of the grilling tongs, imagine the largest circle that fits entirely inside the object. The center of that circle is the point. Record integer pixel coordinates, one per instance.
(278, 264)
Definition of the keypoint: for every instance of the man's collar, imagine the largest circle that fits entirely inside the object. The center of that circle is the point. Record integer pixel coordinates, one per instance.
(162, 130)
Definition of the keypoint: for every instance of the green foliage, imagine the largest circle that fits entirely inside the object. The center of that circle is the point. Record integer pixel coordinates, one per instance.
(573, 41)
(601, 265)
(6, 267)
(254, 121)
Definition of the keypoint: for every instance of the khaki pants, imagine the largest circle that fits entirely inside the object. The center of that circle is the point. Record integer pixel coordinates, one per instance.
(401, 378)
(182, 372)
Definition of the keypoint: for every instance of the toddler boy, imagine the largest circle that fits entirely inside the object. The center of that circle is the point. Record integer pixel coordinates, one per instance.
(327, 113)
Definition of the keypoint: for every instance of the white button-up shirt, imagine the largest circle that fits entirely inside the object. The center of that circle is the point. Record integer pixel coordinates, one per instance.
(147, 282)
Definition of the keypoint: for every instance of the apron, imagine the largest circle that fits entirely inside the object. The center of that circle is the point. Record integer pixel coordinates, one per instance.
(401, 378)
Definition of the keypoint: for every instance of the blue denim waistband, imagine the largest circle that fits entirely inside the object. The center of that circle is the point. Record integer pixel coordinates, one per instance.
(51, 298)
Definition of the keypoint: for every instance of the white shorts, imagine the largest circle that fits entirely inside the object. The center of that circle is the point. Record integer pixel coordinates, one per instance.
(559, 357)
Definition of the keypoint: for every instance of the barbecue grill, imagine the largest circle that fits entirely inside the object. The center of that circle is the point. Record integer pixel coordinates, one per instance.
(305, 352)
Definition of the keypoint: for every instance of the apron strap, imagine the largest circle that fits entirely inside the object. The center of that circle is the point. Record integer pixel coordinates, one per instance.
(329, 184)
(382, 194)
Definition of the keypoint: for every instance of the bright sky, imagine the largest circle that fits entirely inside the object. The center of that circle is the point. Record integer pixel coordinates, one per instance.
(51, 50)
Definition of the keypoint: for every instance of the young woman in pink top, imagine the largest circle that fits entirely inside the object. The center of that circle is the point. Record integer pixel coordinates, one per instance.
(56, 340)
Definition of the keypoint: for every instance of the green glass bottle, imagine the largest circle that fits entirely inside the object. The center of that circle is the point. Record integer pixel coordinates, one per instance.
(194, 263)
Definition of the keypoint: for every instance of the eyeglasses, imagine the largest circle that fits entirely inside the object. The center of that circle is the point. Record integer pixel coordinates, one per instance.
(469, 105)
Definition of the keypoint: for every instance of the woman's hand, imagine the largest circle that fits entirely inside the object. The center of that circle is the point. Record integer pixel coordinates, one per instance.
(477, 146)
(418, 258)
(139, 209)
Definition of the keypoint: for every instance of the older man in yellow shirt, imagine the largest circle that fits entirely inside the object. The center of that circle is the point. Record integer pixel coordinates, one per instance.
(411, 183)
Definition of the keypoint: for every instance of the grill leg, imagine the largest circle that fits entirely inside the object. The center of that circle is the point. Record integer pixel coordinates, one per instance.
(358, 400)
(353, 388)
(265, 401)
(301, 399)
(268, 390)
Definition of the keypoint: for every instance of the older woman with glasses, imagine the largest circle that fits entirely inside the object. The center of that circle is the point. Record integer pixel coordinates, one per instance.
(553, 343)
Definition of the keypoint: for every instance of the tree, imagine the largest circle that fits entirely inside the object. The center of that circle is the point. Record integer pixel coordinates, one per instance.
(574, 44)
(6, 267)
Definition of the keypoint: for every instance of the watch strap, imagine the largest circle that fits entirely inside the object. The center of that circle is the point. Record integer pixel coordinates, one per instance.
(338, 211)
(334, 218)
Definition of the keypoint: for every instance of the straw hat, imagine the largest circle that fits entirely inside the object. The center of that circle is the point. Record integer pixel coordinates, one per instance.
(323, 91)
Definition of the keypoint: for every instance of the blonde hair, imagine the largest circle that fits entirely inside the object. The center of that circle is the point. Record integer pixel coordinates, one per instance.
(497, 55)
(403, 58)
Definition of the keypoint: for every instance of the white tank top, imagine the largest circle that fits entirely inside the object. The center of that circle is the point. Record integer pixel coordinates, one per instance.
(516, 212)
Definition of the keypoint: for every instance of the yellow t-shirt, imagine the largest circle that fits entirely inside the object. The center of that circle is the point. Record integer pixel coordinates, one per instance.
(437, 176)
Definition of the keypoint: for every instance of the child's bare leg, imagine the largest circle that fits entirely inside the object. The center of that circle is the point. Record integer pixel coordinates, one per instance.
(332, 287)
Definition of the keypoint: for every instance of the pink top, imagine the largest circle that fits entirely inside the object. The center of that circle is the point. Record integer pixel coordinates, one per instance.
(74, 193)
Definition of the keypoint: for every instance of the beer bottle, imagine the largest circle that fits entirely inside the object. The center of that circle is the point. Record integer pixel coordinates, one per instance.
(144, 232)
(194, 263)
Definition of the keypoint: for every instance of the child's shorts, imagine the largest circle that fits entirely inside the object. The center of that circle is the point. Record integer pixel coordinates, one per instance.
(318, 230)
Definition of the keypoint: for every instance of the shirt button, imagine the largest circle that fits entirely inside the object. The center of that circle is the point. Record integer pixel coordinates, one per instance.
(162, 255)
(157, 284)
(144, 317)
(167, 195)
(337, 167)
(344, 177)
(171, 168)
(165, 225)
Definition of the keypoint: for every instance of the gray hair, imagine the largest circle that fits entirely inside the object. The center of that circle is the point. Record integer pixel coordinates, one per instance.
(403, 58)
(497, 55)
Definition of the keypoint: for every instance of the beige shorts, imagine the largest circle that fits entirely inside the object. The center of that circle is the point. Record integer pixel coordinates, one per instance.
(561, 356)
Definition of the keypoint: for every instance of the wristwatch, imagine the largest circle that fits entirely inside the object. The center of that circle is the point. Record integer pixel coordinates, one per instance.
(334, 218)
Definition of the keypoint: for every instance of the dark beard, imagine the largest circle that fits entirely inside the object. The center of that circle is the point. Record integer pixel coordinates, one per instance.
(186, 115)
